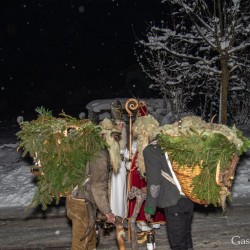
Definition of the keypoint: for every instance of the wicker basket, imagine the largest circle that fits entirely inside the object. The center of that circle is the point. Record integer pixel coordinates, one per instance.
(224, 179)
(185, 176)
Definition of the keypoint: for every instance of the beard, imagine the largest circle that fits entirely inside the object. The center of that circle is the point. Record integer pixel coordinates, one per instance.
(114, 152)
(123, 140)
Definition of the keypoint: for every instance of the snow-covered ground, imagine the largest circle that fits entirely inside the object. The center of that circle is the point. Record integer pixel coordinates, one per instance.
(16, 182)
(17, 185)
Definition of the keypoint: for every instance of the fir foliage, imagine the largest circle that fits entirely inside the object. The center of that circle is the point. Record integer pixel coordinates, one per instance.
(204, 150)
(61, 148)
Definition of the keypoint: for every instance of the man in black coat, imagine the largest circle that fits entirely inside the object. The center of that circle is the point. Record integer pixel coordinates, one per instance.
(164, 191)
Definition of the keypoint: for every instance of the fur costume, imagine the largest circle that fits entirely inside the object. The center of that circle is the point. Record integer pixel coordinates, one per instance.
(108, 128)
(145, 129)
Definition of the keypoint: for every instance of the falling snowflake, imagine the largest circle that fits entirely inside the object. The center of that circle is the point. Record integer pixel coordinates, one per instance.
(57, 232)
(81, 9)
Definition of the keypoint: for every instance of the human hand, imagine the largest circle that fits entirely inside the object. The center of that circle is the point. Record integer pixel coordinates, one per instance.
(110, 218)
(148, 217)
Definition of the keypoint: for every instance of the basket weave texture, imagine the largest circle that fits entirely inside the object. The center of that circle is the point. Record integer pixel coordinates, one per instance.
(185, 176)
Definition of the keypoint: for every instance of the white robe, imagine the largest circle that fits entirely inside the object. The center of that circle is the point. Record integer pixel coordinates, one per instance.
(118, 194)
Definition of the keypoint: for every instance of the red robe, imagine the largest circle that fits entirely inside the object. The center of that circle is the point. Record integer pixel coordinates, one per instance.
(136, 180)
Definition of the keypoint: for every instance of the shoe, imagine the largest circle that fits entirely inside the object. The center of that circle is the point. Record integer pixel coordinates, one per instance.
(142, 225)
(97, 229)
(141, 233)
(105, 232)
(142, 238)
(156, 226)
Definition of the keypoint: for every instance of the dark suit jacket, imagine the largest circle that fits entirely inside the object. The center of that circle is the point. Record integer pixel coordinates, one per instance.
(160, 192)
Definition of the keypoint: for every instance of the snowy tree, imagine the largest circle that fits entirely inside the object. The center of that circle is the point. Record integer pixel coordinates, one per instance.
(163, 71)
(206, 42)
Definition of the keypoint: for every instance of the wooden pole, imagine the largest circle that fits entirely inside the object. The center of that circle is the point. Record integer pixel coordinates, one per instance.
(131, 105)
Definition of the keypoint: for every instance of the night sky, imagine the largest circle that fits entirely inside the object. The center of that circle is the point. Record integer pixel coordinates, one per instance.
(61, 54)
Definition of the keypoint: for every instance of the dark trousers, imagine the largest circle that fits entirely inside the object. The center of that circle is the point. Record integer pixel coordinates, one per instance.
(179, 219)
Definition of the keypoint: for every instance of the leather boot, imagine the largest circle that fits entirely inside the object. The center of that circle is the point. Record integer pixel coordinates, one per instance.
(105, 230)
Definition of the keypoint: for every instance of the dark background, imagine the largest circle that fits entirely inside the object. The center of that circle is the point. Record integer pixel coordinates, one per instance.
(62, 54)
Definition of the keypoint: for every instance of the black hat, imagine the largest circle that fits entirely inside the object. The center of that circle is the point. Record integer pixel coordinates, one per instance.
(116, 110)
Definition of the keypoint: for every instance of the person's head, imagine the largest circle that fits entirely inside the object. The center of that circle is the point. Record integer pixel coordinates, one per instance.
(142, 109)
(112, 135)
(145, 129)
(116, 110)
(117, 118)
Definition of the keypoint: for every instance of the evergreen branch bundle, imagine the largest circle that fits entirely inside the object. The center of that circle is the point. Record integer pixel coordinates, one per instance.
(61, 148)
(205, 146)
